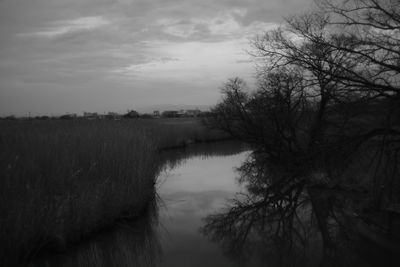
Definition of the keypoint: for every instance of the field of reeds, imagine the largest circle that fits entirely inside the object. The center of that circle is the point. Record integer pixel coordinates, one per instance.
(63, 180)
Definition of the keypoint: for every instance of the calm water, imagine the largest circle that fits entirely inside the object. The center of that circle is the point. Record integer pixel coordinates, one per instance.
(194, 221)
(198, 187)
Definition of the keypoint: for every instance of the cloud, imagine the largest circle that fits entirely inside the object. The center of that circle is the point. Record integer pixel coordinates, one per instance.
(180, 50)
(198, 62)
(183, 29)
(58, 28)
(220, 27)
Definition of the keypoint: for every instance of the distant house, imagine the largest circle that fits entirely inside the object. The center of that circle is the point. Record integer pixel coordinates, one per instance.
(156, 113)
(181, 113)
(90, 115)
(68, 116)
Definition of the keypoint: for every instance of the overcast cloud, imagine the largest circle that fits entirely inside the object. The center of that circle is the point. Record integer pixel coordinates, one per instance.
(59, 56)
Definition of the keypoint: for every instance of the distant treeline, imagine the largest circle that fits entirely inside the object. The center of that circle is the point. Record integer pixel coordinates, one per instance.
(132, 114)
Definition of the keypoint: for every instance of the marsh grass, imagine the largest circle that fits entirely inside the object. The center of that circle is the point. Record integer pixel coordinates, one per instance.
(62, 180)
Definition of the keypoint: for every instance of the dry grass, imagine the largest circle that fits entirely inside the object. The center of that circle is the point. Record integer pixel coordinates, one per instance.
(62, 180)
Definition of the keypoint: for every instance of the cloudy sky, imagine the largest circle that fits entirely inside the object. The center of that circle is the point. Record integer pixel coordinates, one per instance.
(59, 56)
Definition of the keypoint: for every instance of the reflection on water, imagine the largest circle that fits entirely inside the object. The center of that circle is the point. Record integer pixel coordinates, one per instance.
(221, 205)
(279, 221)
(191, 190)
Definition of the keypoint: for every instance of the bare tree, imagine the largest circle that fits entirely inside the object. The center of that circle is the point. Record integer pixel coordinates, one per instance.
(349, 52)
(327, 100)
(373, 28)
(272, 117)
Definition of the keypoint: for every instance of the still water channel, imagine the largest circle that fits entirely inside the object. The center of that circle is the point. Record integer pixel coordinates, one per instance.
(197, 187)
(195, 183)
(195, 221)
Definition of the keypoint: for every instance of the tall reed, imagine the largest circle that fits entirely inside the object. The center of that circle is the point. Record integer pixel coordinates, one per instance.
(62, 180)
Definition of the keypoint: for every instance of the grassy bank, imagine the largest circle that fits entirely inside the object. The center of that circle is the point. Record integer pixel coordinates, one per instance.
(62, 180)
(180, 132)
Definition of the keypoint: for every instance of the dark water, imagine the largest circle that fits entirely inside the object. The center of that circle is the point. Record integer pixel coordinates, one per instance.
(207, 212)
(200, 186)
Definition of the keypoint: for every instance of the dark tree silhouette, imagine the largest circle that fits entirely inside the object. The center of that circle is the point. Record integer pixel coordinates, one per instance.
(324, 118)
(327, 94)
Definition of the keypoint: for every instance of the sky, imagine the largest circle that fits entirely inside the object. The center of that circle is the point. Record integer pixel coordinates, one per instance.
(71, 56)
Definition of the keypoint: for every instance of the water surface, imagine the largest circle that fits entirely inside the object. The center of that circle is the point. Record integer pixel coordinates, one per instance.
(215, 207)
(189, 192)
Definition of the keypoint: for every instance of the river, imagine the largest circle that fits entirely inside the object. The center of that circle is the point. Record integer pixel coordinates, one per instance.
(198, 187)
(214, 207)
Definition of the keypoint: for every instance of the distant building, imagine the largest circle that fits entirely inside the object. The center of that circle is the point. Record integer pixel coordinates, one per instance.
(68, 116)
(90, 115)
(156, 113)
(181, 113)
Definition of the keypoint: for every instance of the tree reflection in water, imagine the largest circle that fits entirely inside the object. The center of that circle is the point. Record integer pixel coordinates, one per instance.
(282, 221)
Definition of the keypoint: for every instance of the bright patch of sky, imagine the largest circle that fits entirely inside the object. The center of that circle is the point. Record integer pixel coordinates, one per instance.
(195, 61)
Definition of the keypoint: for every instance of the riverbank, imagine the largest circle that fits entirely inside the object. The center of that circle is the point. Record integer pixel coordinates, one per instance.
(63, 180)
